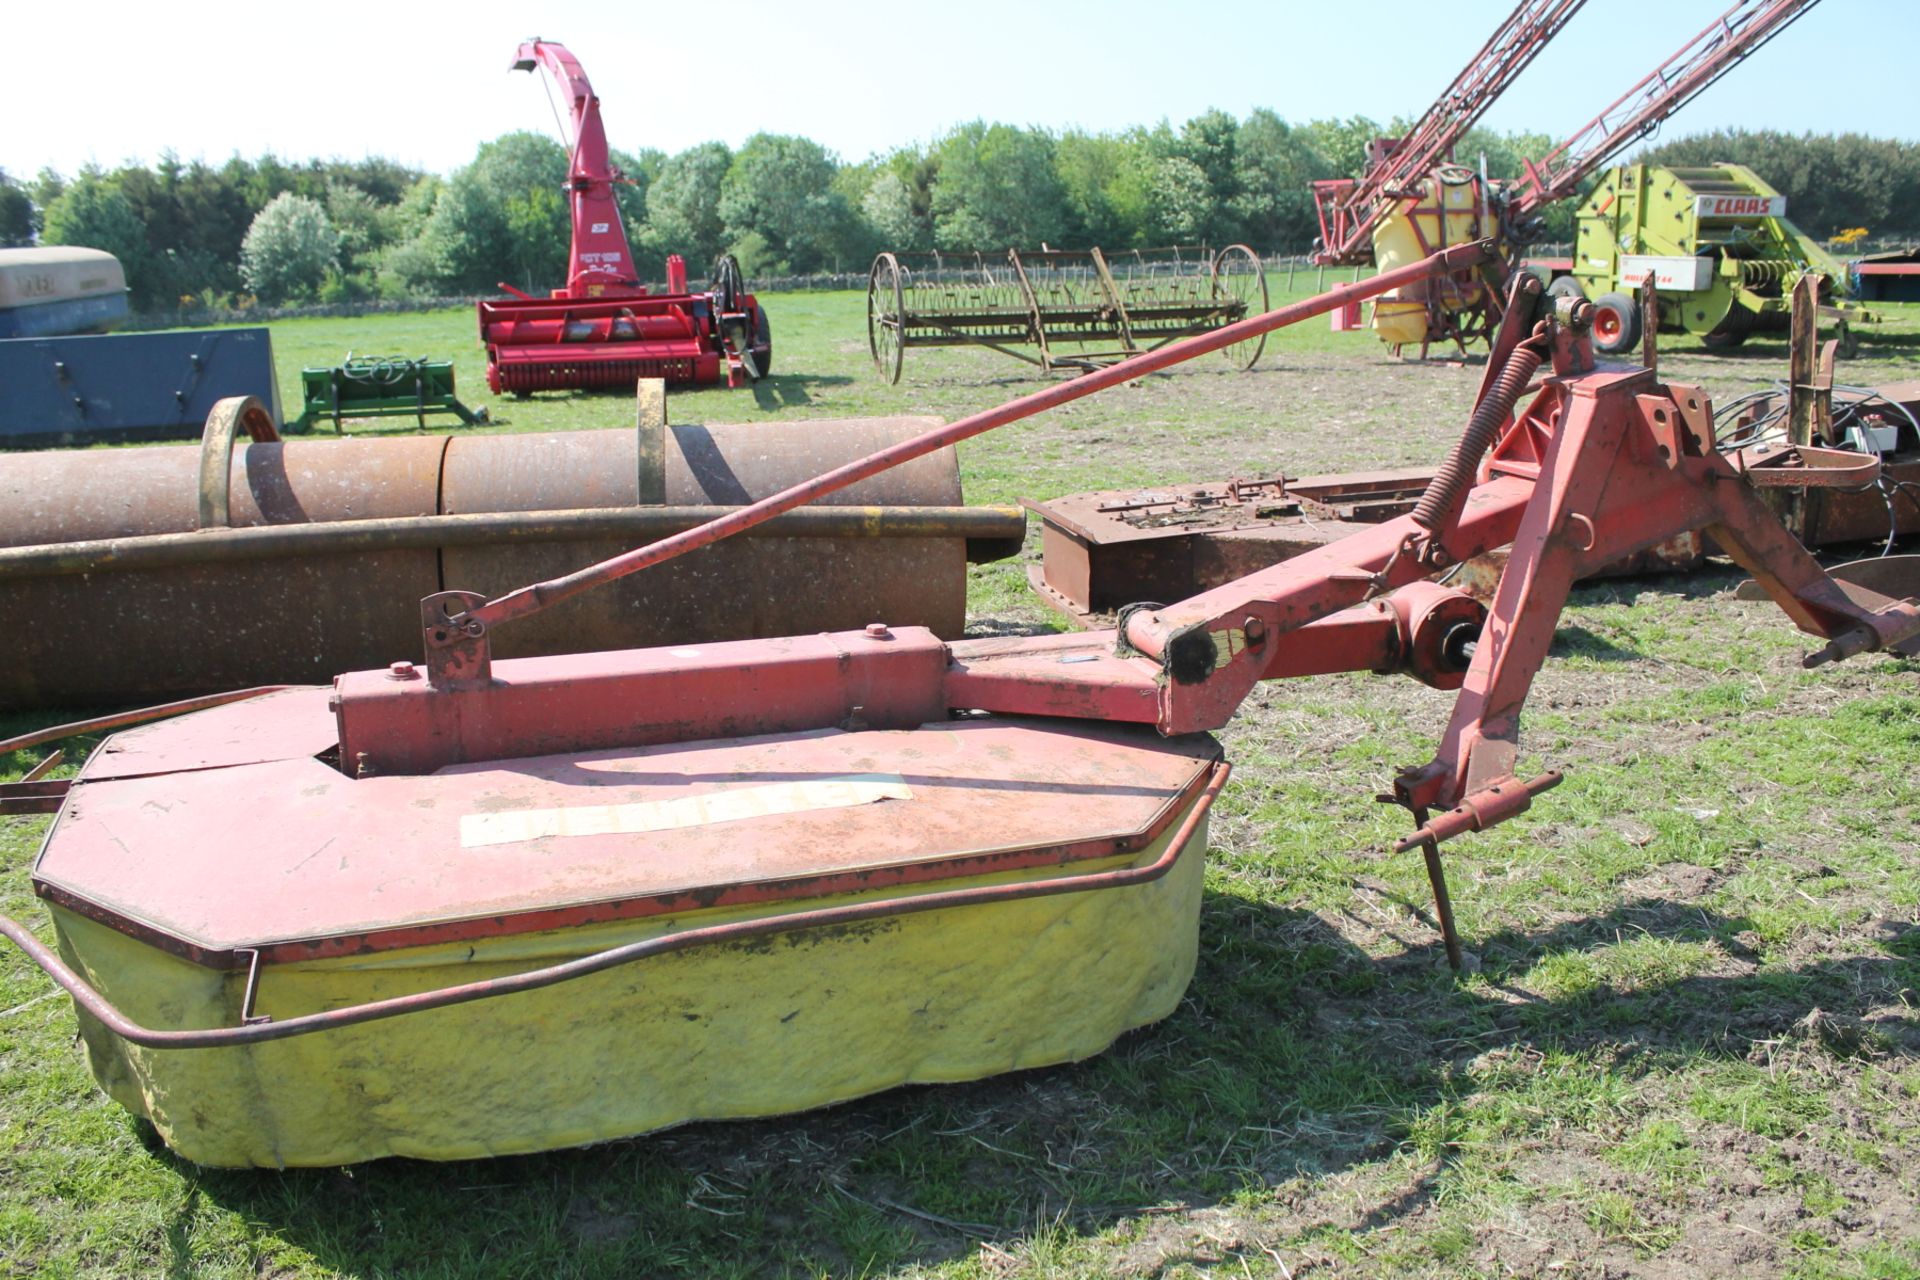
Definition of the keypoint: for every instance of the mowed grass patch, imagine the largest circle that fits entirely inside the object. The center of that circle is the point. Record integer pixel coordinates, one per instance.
(1688, 1045)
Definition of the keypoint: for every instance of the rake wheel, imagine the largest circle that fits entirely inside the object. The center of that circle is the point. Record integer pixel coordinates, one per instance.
(886, 315)
(1238, 277)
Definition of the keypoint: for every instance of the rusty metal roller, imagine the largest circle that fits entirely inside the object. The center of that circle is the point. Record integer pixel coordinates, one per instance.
(114, 592)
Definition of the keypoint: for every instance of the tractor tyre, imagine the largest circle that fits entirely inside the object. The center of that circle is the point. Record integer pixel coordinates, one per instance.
(762, 341)
(1730, 332)
(1616, 324)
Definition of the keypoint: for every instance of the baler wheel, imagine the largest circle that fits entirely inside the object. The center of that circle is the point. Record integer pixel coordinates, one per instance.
(1730, 332)
(886, 312)
(1238, 274)
(1566, 287)
(1616, 324)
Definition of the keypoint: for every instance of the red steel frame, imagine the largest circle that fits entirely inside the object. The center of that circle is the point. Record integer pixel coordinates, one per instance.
(1735, 35)
(1605, 462)
(600, 263)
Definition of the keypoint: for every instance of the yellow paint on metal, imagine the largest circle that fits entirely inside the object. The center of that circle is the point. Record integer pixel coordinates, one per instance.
(1412, 230)
(775, 1024)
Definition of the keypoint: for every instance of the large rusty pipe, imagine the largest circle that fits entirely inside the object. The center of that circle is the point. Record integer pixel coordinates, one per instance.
(328, 545)
(530, 599)
(986, 525)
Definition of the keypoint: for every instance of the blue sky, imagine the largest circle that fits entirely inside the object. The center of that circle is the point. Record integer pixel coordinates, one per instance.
(424, 84)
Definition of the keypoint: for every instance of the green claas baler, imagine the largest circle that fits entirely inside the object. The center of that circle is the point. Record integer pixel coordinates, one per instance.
(1717, 241)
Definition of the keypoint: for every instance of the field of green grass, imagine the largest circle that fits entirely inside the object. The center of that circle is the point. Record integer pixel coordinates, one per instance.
(1690, 1044)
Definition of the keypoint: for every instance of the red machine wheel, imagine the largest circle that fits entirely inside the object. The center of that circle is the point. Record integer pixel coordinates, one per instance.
(886, 315)
(1616, 324)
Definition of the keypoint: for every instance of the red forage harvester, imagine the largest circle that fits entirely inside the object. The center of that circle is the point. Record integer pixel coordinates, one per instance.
(605, 328)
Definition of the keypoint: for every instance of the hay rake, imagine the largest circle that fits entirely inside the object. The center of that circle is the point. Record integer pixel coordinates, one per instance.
(1106, 307)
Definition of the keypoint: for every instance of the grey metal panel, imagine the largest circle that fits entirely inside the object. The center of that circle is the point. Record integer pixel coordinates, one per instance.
(128, 386)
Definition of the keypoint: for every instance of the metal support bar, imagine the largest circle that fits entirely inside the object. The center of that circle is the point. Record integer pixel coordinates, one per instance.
(1113, 297)
(1650, 322)
(261, 542)
(1034, 322)
(1809, 369)
(650, 434)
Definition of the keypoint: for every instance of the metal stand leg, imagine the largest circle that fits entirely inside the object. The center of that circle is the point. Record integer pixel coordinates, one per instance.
(1442, 900)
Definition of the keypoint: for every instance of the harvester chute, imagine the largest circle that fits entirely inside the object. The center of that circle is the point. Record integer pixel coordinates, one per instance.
(605, 328)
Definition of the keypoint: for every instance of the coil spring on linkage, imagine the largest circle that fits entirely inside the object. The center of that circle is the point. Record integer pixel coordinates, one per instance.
(1761, 274)
(1443, 493)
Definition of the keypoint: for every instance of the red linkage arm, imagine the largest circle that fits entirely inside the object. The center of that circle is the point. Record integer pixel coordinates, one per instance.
(1603, 463)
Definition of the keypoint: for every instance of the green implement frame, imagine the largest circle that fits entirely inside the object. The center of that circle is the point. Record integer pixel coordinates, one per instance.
(381, 387)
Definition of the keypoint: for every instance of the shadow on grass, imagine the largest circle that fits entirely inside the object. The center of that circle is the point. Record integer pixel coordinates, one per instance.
(1571, 640)
(789, 390)
(1294, 1052)
(1771, 349)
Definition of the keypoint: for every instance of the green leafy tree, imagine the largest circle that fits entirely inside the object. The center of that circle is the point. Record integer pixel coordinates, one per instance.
(16, 213)
(1341, 144)
(47, 187)
(888, 209)
(779, 188)
(1276, 166)
(1210, 144)
(683, 208)
(500, 218)
(364, 224)
(1105, 187)
(410, 264)
(996, 188)
(289, 249)
(1180, 205)
(859, 240)
(92, 212)
(195, 220)
(892, 197)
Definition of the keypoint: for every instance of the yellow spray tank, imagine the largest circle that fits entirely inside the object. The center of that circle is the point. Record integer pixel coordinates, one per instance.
(1449, 207)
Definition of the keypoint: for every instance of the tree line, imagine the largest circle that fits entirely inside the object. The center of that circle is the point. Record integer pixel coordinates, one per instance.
(193, 234)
